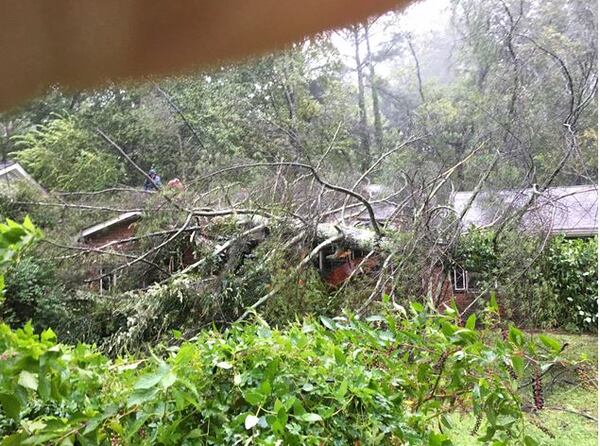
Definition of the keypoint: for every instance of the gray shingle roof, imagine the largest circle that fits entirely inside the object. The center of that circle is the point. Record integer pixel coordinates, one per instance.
(572, 211)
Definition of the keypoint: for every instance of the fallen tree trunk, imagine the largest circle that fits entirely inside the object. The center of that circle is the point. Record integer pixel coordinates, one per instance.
(353, 237)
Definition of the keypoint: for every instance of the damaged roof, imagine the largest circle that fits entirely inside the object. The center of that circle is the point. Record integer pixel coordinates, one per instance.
(570, 210)
(12, 173)
(127, 217)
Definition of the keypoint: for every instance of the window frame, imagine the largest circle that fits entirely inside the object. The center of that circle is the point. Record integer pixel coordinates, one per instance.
(465, 277)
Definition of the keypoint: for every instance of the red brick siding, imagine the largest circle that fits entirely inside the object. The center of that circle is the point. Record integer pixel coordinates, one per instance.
(120, 232)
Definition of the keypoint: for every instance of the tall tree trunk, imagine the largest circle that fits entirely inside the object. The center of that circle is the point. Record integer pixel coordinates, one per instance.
(374, 94)
(363, 131)
(418, 68)
(292, 127)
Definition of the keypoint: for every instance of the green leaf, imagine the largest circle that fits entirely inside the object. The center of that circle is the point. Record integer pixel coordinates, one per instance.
(342, 389)
(14, 440)
(470, 324)
(516, 336)
(151, 380)
(68, 441)
(254, 397)
(11, 405)
(224, 365)
(168, 380)
(439, 440)
(445, 421)
(417, 307)
(308, 387)
(48, 335)
(28, 380)
(551, 343)
(518, 364)
(140, 396)
(530, 441)
(311, 417)
(328, 323)
(193, 434)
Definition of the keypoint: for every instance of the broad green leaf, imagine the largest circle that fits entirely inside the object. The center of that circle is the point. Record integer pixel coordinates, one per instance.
(328, 323)
(341, 391)
(11, 405)
(140, 396)
(551, 343)
(470, 324)
(28, 380)
(48, 335)
(193, 434)
(151, 380)
(254, 397)
(311, 417)
(516, 336)
(518, 364)
(416, 307)
(168, 380)
(224, 365)
(529, 441)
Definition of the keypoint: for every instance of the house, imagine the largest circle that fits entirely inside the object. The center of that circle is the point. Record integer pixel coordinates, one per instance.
(118, 235)
(571, 211)
(12, 175)
(109, 231)
(568, 211)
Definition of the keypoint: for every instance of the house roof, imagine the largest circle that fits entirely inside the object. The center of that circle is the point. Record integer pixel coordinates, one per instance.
(12, 173)
(4, 164)
(127, 217)
(572, 210)
(382, 211)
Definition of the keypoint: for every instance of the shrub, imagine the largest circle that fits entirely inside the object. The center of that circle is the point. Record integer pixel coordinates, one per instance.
(63, 155)
(556, 287)
(568, 274)
(30, 293)
(387, 380)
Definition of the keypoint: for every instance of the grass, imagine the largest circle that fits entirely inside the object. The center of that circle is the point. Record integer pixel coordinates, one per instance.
(566, 403)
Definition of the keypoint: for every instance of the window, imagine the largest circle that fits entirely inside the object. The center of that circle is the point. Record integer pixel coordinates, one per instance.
(461, 279)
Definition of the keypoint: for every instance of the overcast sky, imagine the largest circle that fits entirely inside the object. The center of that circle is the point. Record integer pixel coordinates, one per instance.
(419, 19)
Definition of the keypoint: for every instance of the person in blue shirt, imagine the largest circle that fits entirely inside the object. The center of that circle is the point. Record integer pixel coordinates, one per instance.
(155, 183)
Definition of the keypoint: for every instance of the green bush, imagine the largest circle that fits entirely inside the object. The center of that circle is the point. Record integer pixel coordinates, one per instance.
(63, 155)
(556, 287)
(31, 293)
(387, 380)
(566, 281)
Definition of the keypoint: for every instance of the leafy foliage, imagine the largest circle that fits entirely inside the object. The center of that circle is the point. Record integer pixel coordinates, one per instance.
(14, 237)
(554, 287)
(387, 380)
(32, 294)
(566, 278)
(47, 150)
